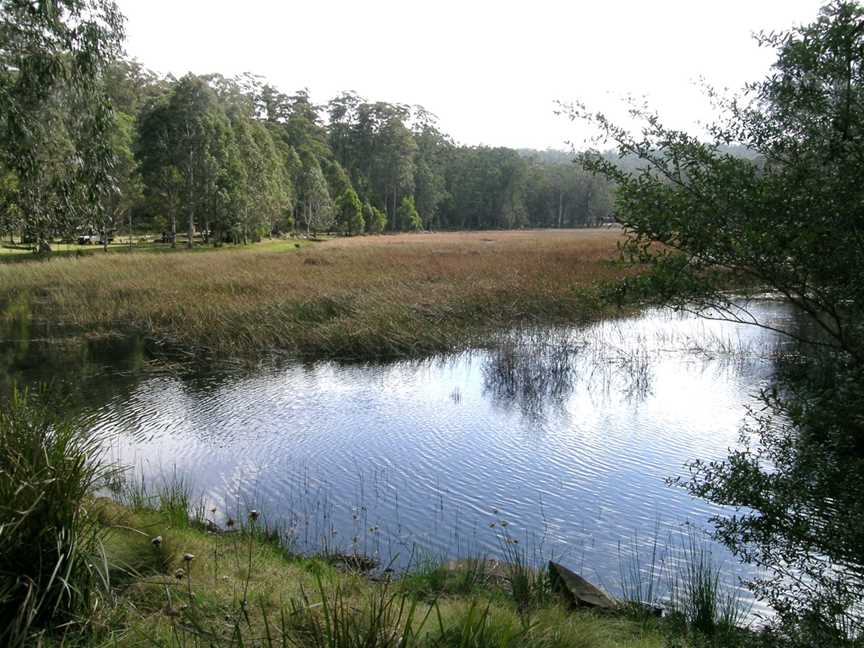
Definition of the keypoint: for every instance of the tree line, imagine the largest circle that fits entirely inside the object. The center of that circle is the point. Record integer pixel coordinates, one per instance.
(92, 141)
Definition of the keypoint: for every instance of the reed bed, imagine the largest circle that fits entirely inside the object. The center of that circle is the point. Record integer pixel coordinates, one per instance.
(385, 296)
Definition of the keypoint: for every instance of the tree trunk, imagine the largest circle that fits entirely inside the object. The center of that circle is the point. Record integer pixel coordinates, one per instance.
(191, 227)
(560, 208)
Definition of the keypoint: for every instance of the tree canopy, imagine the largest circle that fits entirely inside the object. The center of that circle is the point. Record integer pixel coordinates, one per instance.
(56, 120)
(92, 141)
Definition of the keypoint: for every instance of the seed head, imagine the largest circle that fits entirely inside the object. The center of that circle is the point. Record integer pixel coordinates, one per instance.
(188, 557)
(157, 541)
(179, 574)
(253, 515)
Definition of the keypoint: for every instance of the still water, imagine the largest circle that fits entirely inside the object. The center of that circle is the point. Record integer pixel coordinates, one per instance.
(562, 440)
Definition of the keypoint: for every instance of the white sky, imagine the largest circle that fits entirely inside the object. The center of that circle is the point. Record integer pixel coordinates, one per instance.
(491, 71)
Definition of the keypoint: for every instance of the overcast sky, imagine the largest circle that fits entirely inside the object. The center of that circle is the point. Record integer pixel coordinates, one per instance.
(490, 71)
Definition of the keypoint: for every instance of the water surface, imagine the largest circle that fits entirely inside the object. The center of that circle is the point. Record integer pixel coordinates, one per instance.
(560, 440)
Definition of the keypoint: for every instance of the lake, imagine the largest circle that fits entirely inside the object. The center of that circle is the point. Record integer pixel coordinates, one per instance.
(560, 440)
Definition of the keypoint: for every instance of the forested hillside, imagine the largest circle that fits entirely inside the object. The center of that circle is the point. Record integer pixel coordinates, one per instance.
(235, 159)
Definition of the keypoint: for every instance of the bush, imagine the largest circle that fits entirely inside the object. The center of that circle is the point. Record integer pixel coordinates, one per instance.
(48, 542)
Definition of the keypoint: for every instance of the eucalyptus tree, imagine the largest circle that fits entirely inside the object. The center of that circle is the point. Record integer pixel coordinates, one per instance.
(563, 194)
(10, 214)
(292, 171)
(349, 213)
(304, 129)
(254, 186)
(184, 144)
(342, 120)
(430, 189)
(316, 205)
(131, 86)
(55, 117)
(486, 187)
(397, 163)
(127, 189)
(338, 182)
(407, 217)
(277, 186)
(374, 219)
(162, 179)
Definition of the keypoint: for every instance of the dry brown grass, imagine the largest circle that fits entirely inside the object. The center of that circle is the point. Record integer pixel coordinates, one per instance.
(361, 297)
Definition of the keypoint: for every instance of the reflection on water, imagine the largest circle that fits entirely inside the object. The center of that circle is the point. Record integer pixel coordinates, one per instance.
(568, 436)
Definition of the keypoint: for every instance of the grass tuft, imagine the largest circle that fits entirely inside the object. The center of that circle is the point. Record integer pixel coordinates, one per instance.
(699, 596)
(51, 561)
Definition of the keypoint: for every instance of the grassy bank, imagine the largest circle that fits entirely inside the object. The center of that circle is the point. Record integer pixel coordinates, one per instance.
(387, 296)
(241, 588)
(166, 580)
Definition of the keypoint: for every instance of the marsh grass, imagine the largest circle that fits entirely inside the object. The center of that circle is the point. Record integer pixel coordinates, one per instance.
(384, 618)
(428, 578)
(366, 297)
(527, 579)
(643, 579)
(699, 596)
(172, 495)
(51, 561)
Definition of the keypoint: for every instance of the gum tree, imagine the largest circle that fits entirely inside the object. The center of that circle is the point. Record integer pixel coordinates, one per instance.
(55, 117)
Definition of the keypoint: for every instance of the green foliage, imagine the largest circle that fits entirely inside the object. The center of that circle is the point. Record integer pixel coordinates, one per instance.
(10, 214)
(375, 219)
(55, 119)
(784, 220)
(316, 206)
(128, 187)
(486, 189)
(50, 563)
(349, 213)
(408, 218)
(188, 156)
(233, 158)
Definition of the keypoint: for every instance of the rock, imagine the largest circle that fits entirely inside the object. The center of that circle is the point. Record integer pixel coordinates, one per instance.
(577, 590)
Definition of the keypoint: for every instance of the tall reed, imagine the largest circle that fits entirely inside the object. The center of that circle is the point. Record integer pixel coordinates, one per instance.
(699, 595)
(52, 567)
